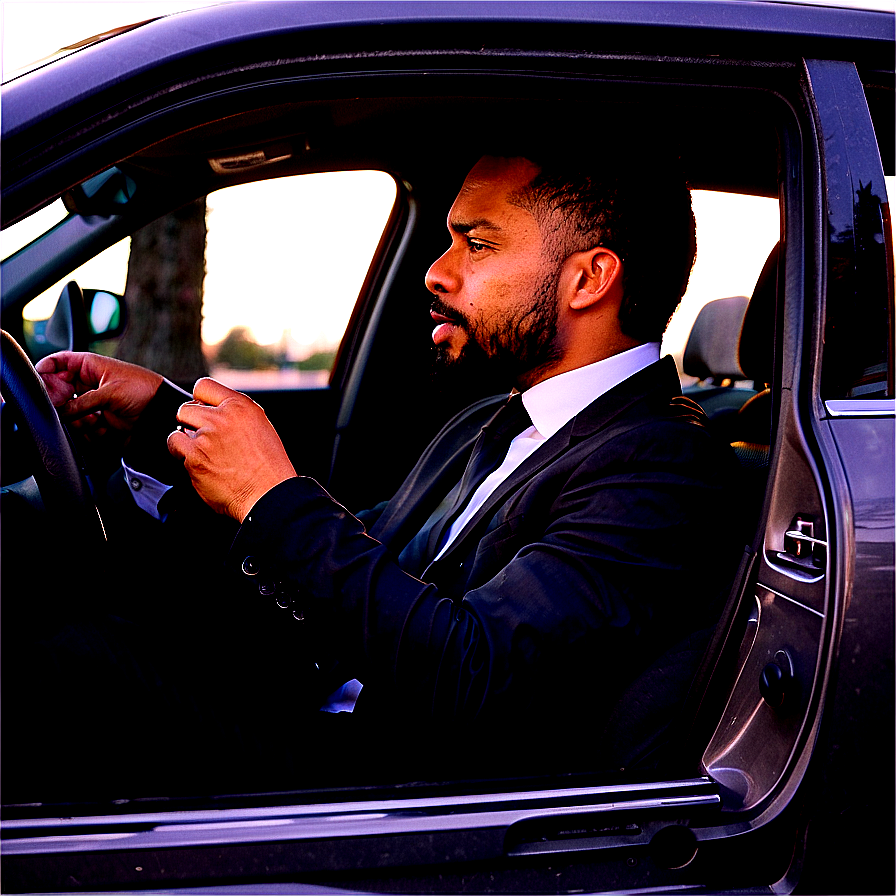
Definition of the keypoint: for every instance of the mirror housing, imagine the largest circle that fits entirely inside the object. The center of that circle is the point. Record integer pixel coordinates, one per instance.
(67, 327)
(101, 315)
(105, 194)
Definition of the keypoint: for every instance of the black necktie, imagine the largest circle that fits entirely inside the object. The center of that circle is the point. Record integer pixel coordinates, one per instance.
(488, 453)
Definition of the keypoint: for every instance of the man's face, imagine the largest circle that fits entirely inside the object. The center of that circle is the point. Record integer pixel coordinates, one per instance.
(495, 289)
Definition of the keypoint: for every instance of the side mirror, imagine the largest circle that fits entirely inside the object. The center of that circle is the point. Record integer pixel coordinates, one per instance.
(80, 318)
(67, 327)
(105, 313)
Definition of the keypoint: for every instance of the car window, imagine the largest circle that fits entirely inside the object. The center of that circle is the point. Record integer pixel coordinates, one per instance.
(23, 232)
(859, 310)
(285, 260)
(735, 234)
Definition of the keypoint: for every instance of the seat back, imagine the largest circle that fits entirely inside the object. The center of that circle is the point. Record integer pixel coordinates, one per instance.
(751, 431)
(712, 347)
(650, 726)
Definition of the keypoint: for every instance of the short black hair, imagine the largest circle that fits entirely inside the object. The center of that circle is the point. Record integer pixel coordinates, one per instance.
(625, 197)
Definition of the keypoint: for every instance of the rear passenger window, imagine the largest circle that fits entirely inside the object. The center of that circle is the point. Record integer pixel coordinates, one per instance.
(735, 234)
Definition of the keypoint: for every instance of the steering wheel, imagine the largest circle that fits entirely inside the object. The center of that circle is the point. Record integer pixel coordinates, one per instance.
(63, 487)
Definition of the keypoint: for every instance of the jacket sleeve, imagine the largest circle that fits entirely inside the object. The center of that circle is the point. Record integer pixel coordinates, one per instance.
(614, 560)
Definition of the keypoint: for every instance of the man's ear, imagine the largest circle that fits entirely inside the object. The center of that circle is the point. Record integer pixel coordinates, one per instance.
(597, 272)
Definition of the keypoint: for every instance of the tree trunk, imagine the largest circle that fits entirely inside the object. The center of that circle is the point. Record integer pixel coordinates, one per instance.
(164, 296)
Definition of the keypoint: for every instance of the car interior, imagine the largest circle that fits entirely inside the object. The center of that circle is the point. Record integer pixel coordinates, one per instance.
(426, 137)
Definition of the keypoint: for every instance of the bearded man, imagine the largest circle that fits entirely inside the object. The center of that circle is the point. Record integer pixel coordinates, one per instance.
(546, 552)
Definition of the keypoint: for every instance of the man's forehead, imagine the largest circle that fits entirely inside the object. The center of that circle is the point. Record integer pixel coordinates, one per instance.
(511, 173)
(487, 190)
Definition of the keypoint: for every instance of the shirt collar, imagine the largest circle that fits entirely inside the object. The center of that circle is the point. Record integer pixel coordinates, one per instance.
(555, 401)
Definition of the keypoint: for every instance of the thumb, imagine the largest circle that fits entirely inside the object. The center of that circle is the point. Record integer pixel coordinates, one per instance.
(55, 364)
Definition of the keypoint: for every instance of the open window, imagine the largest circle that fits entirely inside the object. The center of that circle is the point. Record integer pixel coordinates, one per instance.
(382, 381)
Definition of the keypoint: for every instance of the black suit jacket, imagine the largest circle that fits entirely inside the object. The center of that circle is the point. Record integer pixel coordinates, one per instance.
(599, 553)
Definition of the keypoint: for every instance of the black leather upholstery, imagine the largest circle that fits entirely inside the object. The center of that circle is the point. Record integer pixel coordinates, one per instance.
(712, 346)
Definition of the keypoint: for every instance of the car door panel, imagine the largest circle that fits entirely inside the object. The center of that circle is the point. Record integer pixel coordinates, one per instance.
(798, 625)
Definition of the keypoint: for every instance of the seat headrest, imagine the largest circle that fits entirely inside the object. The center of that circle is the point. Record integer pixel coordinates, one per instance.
(757, 338)
(712, 345)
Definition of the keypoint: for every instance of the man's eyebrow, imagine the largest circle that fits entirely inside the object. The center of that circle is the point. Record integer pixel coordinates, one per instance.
(475, 224)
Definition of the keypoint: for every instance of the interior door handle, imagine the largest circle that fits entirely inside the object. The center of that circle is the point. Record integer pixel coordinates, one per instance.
(801, 540)
(802, 547)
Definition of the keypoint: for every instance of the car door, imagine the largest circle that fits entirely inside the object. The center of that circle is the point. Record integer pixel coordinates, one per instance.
(732, 806)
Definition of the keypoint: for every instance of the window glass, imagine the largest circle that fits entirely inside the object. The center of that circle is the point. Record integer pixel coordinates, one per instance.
(23, 232)
(859, 313)
(285, 261)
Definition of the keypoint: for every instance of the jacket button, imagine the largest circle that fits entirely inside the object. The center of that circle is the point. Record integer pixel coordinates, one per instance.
(136, 485)
(250, 566)
(266, 589)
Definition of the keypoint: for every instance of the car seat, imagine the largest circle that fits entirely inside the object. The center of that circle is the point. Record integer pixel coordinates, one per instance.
(752, 427)
(649, 726)
(711, 355)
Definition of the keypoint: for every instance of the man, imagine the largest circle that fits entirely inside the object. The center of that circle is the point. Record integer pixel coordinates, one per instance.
(531, 598)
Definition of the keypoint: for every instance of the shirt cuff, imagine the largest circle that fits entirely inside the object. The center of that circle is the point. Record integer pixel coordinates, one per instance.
(343, 699)
(146, 491)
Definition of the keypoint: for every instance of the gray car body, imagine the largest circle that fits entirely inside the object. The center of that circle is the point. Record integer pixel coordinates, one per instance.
(768, 799)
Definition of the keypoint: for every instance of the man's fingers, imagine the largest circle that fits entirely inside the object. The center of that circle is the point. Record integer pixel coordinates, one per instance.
(58, 373)
(208, 396)
(178, 443)
(85, 404)
(195, 415)
(59, 391)
(210, 391)
(58, 364)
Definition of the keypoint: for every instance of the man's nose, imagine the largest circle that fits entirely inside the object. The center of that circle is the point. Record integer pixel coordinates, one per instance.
(440, 276)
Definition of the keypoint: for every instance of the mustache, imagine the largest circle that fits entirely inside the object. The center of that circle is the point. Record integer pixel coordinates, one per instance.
(437, 306)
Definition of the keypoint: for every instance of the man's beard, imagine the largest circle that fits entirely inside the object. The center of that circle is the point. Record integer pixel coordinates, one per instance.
(523, 340)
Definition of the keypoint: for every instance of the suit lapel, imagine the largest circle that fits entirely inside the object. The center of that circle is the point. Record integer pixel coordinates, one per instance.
(659, 379)
(544, 455)
(436, 473)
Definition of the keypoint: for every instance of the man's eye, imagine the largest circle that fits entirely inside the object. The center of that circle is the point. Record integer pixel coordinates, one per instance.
(475, 245)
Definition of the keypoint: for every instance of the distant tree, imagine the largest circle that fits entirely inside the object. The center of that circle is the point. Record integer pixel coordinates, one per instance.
(317, 361)
(239, 350)
(164, 295)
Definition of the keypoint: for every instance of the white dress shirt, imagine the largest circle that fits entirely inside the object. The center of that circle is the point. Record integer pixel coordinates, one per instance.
(146, 491)
(551, 404)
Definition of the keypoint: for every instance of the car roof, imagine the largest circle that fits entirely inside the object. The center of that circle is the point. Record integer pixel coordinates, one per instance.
(153, 60)
(167, 38)
(720, 27)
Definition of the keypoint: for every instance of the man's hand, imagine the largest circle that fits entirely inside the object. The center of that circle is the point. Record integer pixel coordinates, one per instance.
(229, 448)
(96, 392)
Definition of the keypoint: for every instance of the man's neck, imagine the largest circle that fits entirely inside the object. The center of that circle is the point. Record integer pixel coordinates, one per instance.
(572, 360)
